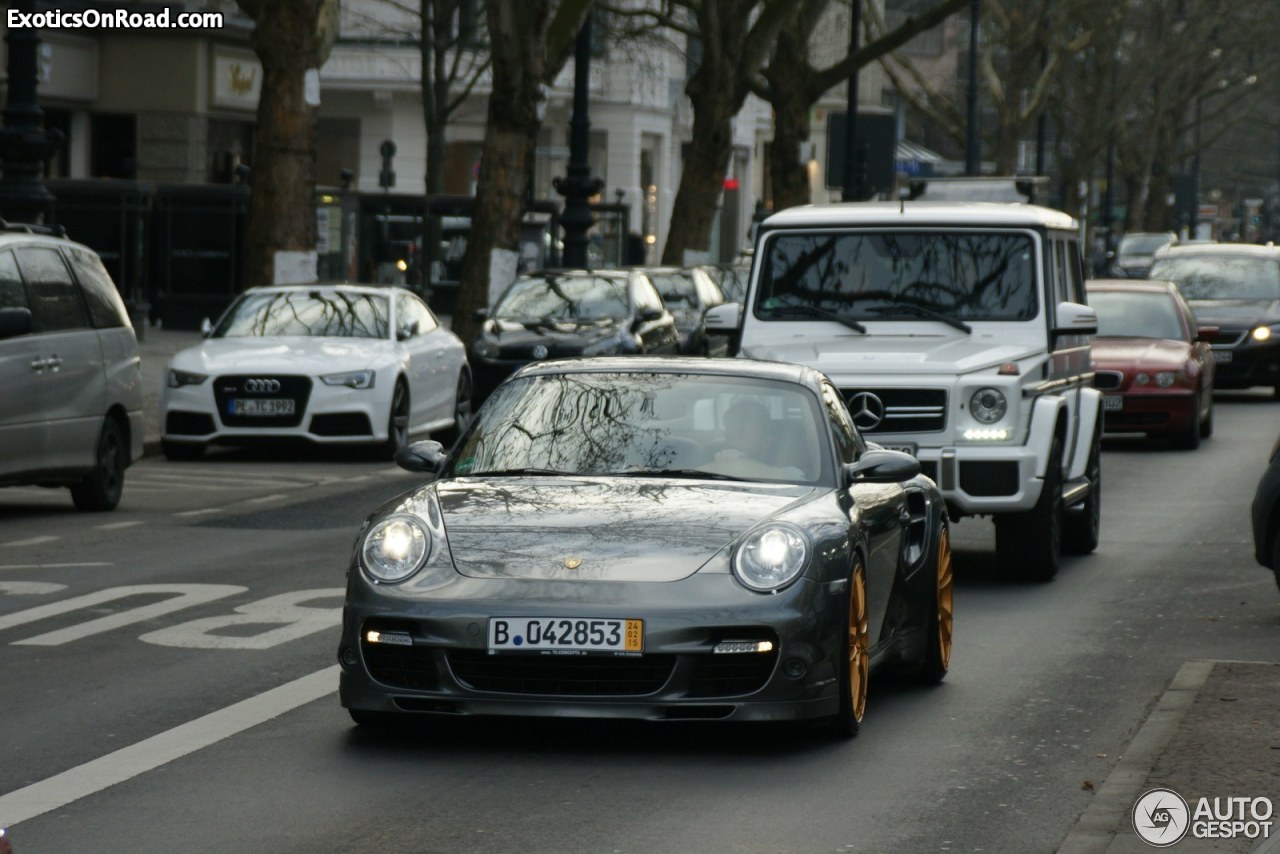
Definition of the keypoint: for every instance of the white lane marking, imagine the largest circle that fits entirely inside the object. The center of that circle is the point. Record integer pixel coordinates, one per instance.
(265, 498)
(31, 541)
(203, 512)
(286, 611)
(149, 754)
(183, 596)
(30, 588)
(115, 526)
(53, 565)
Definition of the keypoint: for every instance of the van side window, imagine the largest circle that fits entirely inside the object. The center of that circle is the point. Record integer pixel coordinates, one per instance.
(106, 309)
(12, 294)
(55, 301)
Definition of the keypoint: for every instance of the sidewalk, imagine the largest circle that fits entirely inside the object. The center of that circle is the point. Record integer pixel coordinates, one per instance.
(1214, 734)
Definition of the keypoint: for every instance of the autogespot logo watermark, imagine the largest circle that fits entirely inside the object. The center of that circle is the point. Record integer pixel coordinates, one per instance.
(1162, 818)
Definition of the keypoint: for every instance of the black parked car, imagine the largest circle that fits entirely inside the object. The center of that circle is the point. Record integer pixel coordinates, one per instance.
(663, 539)
(732, 279)
(688, 292)
(559, 313)
(1266, 515)
(1236, 288)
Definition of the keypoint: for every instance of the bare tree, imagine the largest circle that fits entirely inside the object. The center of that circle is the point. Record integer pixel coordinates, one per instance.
(291, 38)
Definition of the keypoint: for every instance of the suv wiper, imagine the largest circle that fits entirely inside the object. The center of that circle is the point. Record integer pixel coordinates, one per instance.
(689, 473)
(921, 311)
(814, 311)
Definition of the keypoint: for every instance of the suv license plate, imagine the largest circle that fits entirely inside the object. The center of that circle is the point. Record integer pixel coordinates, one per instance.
(262, 406)
(565, 634)
(1222, 356)
(1112, 403)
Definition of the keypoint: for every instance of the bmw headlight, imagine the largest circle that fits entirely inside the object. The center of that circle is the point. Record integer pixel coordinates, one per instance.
(395, 548)
(1164, 379)
(485, 349)
(1262, 333)
(177, 379)
(988, 405)
(771, 557)
(351, 379)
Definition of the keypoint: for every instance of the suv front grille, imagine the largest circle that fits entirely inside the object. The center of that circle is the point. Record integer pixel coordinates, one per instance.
(897, 410)
(261, 387)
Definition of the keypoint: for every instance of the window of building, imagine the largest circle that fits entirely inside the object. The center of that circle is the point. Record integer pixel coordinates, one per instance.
(113, 145)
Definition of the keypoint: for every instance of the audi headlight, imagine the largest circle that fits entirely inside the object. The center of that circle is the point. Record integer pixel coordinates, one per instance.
(395, 548)
(485, 349)
(771, 557)
(988, 405)
(177, 379)
(351, 379)
(1262, 333)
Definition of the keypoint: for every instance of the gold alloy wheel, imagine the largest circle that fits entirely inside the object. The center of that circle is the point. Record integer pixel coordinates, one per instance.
(859, 662)
(945, 596)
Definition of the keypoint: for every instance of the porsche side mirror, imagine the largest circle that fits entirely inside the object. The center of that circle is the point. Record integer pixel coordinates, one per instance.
(206, 327)
(14, 322)
(877, 466)
(426, 457)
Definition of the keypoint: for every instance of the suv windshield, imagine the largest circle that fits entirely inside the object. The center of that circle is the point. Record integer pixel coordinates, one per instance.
(1220, 276)
(312, 314)
(963, 275)
(564, 298)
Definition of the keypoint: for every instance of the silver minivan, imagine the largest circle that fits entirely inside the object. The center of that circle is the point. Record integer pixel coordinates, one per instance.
(70, 374)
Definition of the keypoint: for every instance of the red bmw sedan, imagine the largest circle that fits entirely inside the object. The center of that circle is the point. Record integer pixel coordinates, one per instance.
(1150, 361)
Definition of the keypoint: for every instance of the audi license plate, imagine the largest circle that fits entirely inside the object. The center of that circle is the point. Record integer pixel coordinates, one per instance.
(1222, 356)
(261, 406)
(1112, 403)
(572, 635)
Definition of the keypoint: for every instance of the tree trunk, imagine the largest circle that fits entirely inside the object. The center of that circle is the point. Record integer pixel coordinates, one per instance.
(789, 173)
(704, 169)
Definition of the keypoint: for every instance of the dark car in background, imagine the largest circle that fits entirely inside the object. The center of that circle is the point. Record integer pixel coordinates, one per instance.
(560, 313)
(731, 279)
(1234, 287)
(688, 292)
(656, 539)
(1134, 254)
(1151, 361)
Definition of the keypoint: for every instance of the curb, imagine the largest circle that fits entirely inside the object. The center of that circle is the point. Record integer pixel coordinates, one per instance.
(1109, 810)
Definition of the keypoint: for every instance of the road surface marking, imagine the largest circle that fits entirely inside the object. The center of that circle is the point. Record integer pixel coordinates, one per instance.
(29, 588)
(31, 541)
(128, 762)
(52, 565)
(203, 512)
(265, 498)
(180, 596)
(113, 526)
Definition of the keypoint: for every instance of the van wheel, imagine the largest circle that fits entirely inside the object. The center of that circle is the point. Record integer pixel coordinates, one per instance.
(1029, 545)
(102, 488)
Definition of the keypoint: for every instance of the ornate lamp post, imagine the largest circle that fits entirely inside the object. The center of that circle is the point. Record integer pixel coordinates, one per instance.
(24, 143)
(578, 185)
(852, 191)
(972, 142)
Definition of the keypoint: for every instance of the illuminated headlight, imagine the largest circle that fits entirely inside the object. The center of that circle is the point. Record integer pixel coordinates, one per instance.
(1164, 379)
(1141, 379)
(1262, 333)
(177, 379)
(771, 557)
(395, 548)
(988, 405)
(986, 434)
(351, 379)
(485, 349)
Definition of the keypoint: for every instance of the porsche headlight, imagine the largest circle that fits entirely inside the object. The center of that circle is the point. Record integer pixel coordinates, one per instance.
(395, 548)
(351, 379)
(988, 405)
(771, 557)
(177, 379)
(485, 349)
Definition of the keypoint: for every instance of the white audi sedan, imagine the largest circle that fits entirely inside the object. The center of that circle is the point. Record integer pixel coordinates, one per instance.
(328, 363)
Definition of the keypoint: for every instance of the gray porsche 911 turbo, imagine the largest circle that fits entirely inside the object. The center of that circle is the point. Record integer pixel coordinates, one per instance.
(649, 538)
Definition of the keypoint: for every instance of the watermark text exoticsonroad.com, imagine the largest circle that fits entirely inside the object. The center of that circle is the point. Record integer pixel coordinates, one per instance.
(113, 19)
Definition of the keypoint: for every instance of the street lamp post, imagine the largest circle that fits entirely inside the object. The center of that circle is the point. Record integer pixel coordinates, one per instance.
(972, 144)
(1193, 216)
(851, 189)
(24, 143)
(578, 185)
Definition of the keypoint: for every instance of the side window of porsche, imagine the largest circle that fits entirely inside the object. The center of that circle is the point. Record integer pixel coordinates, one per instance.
(848, 444)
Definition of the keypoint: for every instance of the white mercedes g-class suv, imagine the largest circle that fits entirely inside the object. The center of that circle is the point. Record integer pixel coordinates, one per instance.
(957, 332)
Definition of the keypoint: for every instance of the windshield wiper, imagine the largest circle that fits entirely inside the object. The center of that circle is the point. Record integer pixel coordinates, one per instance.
(921, 311)
(686, 473)
(814, 311)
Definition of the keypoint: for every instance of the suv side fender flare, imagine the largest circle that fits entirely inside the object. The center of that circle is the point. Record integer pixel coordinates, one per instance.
(1045, 414)
(1090, 409)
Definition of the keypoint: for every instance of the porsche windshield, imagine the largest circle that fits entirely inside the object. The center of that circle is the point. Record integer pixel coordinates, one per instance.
(649, 425)
(311, 314)
(564, 298)
(1220, 276)
(965, 276)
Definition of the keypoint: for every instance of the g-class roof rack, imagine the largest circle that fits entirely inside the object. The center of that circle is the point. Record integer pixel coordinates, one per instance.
(32, 228)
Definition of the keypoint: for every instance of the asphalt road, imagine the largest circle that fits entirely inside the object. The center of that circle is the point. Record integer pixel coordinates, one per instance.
(169, 684)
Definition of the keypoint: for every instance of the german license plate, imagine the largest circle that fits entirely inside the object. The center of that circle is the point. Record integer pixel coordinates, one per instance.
(565, 635)
(1222, 356)
(261, 406)
(906, 448)
(1112, 403)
